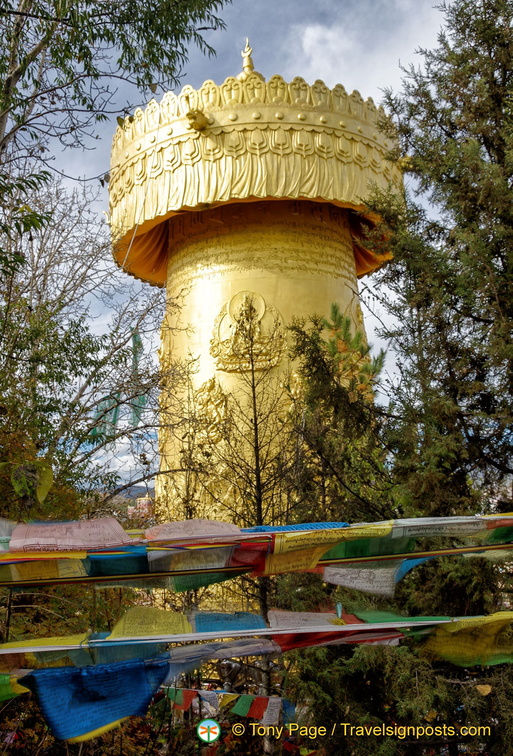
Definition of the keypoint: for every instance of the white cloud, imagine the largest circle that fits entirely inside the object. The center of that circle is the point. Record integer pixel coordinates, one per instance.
(362, 49)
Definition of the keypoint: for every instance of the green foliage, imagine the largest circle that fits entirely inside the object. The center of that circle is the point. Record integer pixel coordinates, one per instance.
(444, 440)
(17, 217)
(452, 277)
(452, 587)
(60, 63)
(32, 480)
(60, 59)
(49, 394)
(337, 422)
(54, 369)
(340, 362)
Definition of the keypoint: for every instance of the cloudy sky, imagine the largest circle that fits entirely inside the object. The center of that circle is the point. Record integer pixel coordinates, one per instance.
(356, 43)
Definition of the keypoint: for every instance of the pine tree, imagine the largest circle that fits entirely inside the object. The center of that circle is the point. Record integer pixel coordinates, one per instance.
(452, 277)
(446, 431)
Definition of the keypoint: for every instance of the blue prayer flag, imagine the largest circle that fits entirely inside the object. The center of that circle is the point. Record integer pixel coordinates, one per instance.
(75, 702)
(213, 622)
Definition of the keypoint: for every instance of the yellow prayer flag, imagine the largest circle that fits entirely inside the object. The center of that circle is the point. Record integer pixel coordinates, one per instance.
(306, 559)
(149, 621)
(499, 619)
(478, 640)
(65, 640)
(286, 542)
(42, 555)
(15, 685)
(36, 570)
(69, 568)
(227, 698)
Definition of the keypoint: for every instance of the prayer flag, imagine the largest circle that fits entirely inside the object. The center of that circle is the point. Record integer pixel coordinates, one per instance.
(6, 688)
(182, 698)
(227, 698)
(106, 416)
(78, 702)
(258, 707)
(213, 622)
(243, 705)
(150, 621)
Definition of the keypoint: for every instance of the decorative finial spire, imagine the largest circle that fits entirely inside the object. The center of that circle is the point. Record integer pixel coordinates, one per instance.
(247, 62)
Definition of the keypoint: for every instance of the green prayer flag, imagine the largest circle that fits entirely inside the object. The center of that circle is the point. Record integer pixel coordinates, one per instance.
(137, 348)
(370, 547)
(106, 416)
(175, 695)
(138, 403)
(500, 535)
(377, 615)
(243, 705)
(193, 582)
(6, 690)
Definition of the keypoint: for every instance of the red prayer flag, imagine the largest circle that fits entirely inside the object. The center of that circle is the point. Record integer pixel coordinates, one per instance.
(188, 697)
(258, 707)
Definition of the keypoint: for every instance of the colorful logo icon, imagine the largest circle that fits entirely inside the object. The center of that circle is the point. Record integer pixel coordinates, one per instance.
(208, 730)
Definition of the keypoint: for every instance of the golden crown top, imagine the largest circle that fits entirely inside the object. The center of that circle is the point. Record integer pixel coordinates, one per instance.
(244, 139)
(248, 102)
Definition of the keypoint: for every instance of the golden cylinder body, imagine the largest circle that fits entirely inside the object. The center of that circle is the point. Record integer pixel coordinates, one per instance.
(295, 258)
(292, 259)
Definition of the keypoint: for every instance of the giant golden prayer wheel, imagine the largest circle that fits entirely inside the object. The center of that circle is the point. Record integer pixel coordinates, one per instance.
(250, 190)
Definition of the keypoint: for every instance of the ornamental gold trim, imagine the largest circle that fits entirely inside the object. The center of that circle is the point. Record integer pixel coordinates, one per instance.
(243, 140)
